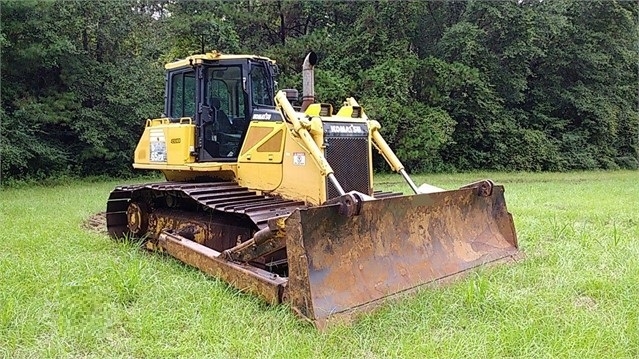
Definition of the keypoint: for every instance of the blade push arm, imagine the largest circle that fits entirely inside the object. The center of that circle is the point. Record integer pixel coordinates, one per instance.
(389, 155)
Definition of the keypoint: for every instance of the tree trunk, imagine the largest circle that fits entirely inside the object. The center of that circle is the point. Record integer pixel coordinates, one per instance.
(282, 24)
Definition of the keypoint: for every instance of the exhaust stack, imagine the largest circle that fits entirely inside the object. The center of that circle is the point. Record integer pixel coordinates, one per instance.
(308, 82)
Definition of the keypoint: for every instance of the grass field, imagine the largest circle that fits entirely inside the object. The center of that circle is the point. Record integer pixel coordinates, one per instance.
(67, 292)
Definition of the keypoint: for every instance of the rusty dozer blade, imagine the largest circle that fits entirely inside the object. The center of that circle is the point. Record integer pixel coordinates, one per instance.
(339, 263)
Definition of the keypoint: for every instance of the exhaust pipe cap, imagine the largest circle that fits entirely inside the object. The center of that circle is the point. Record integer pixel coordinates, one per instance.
(311, 58)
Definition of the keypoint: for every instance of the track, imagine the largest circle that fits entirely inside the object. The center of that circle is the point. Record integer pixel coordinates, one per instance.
(220, 197)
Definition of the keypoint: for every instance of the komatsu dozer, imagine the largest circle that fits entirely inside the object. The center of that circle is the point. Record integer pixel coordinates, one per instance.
(279, 201)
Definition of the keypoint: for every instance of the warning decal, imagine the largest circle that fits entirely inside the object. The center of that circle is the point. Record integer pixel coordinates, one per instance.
(299, 158)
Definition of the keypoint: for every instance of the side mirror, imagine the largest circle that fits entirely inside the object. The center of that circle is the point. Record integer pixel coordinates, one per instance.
(292, 95)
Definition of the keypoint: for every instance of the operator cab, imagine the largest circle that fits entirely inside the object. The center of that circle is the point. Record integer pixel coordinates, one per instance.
(220, 93)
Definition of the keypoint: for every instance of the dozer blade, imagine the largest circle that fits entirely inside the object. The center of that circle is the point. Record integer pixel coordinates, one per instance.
(340, 264)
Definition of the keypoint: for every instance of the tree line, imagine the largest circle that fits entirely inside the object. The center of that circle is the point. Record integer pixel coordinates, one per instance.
(505, 85)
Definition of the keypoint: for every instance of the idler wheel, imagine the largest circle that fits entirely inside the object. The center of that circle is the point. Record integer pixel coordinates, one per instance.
(137, 218)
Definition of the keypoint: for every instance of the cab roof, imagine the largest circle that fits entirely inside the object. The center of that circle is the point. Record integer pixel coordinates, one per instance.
(215, 55)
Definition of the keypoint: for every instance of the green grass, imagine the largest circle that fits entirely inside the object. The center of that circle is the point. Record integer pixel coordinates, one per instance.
(66, 292)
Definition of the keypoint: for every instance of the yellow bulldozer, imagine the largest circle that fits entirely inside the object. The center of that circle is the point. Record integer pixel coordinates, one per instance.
(278, 200)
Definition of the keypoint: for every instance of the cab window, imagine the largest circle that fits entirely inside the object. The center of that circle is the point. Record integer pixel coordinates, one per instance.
(220, 91)
(224, 90)
(261, 87)
(183, 94)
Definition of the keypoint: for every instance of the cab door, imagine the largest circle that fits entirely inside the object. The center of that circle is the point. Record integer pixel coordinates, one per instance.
(224, 112)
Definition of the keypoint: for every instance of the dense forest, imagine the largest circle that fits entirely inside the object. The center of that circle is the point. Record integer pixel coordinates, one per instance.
(506, 85)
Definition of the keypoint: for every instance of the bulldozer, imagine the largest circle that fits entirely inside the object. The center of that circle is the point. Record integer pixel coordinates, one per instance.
(278, 200)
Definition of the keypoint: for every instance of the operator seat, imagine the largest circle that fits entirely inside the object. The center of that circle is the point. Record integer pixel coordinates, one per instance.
(219, 117)
(223, 128)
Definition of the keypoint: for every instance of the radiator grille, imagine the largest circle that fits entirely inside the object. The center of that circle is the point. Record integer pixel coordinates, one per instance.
(348, 156)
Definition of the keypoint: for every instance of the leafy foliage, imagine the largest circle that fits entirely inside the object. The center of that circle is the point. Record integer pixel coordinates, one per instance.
(82, 98)
(517, 85)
